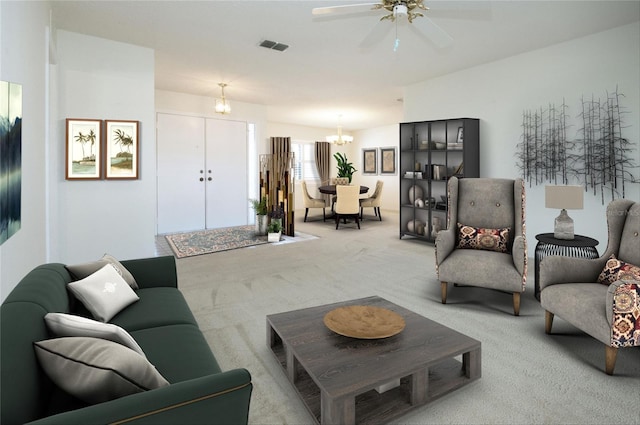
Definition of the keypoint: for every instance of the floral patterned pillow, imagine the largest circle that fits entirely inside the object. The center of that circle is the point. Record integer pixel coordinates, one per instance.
(481, 238)
(615, 270)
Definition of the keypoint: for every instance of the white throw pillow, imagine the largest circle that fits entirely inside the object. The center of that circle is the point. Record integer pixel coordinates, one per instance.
(104, 293)
(80, 271)
(96, 370)
(62, 324)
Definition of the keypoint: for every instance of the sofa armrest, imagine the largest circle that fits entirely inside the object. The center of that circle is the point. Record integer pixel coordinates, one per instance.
(154, 271)
(559, 269)
(622, 305)
(445, 242)
(221, 398)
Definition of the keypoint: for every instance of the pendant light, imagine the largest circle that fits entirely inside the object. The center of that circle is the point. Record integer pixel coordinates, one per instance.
(222, 104)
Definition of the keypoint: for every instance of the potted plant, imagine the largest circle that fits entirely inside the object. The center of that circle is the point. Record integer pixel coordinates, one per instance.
(345, 168)
(274, 231)
(276, 214)
(260, 207)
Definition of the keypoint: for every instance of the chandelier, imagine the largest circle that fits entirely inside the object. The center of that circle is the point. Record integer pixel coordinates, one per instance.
(339, 139)
(222, 105)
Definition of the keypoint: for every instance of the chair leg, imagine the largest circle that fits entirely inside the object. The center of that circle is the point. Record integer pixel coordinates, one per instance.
(610, 354)
(516, 303)
(324, 215)
(361, 213)
(548, 321)
(379, 215)
(358, 221)
(443, 292)
(306, 211)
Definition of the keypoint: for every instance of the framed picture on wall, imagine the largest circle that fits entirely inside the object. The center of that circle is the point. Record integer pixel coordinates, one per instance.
(122, 148)
(388, 160)
(370, 162)
(83, 159)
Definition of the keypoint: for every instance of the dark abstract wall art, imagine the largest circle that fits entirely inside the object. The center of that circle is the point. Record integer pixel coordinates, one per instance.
(600, 158)
(604, 158)
(10, 159)
(543, 153)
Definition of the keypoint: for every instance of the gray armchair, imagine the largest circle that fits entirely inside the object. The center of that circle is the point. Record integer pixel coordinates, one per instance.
(484, 244)
(607, 311)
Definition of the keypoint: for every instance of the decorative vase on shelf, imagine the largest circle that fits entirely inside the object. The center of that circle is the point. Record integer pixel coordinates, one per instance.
(415, 192)
(415, 226)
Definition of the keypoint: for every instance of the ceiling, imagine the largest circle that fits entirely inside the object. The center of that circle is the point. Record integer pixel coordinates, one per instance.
(341, 65)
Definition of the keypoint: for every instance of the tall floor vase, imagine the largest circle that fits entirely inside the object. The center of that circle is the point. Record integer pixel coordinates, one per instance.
(261, 224)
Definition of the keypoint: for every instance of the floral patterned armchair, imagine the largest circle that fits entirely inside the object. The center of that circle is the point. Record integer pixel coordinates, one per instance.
(600, 296)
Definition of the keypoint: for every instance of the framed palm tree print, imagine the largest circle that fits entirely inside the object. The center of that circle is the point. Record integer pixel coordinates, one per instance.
(122, 148)
(83, 149)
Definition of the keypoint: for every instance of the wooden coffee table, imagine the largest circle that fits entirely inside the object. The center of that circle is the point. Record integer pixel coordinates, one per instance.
(343, 380)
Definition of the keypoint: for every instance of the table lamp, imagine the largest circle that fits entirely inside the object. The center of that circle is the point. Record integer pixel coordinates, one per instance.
(564, 197)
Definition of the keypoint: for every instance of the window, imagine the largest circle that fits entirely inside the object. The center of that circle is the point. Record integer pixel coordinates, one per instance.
(305, 161)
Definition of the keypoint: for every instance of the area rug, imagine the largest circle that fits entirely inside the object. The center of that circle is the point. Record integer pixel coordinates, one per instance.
(214, 240)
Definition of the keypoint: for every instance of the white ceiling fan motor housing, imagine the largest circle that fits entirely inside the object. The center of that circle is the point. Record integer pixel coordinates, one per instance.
(399, 10)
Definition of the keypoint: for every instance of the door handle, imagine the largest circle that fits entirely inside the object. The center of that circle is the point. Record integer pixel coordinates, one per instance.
(201, 179)
(209, 179)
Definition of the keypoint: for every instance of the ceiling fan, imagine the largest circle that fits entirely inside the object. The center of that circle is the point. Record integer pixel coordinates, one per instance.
(397, 10)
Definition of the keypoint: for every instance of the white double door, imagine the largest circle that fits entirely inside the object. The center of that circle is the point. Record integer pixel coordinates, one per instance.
(202, 173)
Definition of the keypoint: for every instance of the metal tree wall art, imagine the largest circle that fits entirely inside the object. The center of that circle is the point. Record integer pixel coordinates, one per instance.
(543, 153)
(604, 154)
(600, 158)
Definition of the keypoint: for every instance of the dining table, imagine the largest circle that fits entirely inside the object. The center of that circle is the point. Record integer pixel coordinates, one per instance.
(330, 189)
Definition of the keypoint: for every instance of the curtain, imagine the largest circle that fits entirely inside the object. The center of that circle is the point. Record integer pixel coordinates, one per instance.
(323, 162)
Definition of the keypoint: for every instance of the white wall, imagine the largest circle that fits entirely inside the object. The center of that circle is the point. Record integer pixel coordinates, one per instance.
(379, 137)
(499, 92)
(103, 79)
(23, 60)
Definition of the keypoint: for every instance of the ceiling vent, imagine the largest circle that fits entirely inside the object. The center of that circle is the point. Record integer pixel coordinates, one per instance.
(274, 45)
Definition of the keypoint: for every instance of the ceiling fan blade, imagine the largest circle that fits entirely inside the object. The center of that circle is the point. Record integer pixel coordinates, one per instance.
(347, 8)
(376, 35)
(432, 32)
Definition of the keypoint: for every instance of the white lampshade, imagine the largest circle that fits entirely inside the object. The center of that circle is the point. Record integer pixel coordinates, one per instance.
(564, 197)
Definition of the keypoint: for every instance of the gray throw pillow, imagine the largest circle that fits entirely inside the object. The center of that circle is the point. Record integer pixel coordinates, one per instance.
(104, 293)
(96, 370)
(80, 271)
(62, 324)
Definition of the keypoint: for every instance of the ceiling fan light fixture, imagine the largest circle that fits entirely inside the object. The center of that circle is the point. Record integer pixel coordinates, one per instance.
(222, 105)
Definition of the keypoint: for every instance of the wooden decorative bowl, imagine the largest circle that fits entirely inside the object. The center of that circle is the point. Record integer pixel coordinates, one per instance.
(364, 322)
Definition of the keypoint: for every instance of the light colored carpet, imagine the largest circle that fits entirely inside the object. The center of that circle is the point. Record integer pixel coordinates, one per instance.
(528, 377)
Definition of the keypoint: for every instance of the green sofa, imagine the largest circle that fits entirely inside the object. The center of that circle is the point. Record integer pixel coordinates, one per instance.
(160, 322)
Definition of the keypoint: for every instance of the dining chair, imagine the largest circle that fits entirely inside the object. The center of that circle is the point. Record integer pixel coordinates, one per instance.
(348, 203)
(373, 201)
(310, 202)
(338, 181)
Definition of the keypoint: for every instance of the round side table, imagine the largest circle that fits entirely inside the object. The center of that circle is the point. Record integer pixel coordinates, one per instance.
(579, 247)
